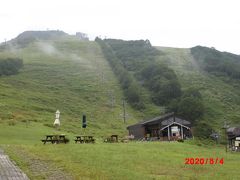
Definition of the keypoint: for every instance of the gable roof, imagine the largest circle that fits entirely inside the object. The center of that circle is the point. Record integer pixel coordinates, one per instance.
(165, 120)
(174, 123)
(158, 118)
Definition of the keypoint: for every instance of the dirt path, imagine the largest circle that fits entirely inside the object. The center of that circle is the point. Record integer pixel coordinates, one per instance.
(8, 170)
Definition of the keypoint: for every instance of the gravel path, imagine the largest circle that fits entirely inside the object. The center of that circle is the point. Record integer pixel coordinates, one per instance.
(8, 170)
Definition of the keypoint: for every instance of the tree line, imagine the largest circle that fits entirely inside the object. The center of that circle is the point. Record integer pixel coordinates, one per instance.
(10, 66)
(136, 67)
(216, 62)
(139, 58)
(189, 105)
(132, 91)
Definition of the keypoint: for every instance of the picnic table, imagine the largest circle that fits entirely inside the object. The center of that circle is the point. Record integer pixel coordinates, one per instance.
(55, 139)
(113, 138)
(84, 139)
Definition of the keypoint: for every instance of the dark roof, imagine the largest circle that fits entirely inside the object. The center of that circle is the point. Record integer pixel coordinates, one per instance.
(165, 120)
(175, 119)
(157, 118)
(233, 131)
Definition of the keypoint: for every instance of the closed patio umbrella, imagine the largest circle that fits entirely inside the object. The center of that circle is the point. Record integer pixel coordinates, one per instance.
(57, 119)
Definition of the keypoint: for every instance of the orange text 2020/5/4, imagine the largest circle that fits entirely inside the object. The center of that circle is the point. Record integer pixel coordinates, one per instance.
(203, 161)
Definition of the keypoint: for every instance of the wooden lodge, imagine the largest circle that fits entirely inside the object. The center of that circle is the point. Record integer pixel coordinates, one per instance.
(167, 128)
(233, 134)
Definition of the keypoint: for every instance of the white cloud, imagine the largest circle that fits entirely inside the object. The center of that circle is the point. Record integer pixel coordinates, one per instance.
(175, 23)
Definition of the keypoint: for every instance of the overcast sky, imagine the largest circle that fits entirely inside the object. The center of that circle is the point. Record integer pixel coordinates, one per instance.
(174, 23)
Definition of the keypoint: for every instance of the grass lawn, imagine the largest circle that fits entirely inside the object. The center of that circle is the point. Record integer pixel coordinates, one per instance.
(134, 160)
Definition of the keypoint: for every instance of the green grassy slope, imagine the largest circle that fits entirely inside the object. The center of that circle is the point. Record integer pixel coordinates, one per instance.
(66, 74)
(221, 99)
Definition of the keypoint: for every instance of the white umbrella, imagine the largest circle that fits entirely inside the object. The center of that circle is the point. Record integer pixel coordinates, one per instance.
(57, 121)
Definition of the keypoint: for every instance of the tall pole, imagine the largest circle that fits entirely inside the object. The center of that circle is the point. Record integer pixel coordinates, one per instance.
(226, 139)
(182, 132)
(124, 112)
(225, 128)
(168, 134)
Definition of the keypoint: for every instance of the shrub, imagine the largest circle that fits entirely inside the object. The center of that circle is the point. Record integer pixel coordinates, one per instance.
(12, 123)
(189, 106)
(180, 140)
(10, 66)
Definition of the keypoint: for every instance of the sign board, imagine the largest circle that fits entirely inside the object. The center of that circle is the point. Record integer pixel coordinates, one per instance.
(237, 138)
(174, 129)
(237, 143)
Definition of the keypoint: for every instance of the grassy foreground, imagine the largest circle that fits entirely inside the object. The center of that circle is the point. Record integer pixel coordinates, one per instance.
(134, 160)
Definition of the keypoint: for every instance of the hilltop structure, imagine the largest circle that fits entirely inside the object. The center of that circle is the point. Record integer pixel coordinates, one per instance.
(82, 36)
(166, 127)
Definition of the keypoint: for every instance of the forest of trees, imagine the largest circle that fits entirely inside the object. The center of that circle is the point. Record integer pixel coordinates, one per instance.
(139, 58)
(136, 67)
(161, 81)
(216, 62)
(10, 66)
(131, 89)
(189, 106)
(133, 54)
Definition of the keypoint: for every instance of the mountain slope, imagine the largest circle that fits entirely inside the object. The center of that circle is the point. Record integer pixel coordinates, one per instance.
(221, 99)
(65, 74)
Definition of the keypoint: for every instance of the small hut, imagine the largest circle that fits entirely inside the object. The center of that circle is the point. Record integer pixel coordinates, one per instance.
(233, 134)
(166, 127)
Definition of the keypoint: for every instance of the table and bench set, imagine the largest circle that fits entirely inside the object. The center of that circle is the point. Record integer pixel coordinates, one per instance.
(56, 139)
(82, 139)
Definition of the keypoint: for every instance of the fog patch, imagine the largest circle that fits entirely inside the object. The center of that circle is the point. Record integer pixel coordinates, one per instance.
(51, 50)
(47, 48)
(83, 61)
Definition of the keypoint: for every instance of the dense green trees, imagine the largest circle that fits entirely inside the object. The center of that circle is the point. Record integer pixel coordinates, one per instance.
(216, 62)
(189, 106)
(203, 130)
(133, 54)
(131, 89)
(162, 82)
(10, 66)
(135, 66)
(138, 57)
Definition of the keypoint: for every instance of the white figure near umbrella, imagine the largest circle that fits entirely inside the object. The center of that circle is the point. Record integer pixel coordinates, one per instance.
(57, 119)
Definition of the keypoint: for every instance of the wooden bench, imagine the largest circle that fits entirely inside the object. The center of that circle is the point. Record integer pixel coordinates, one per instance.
(84, 139)
(55, 139)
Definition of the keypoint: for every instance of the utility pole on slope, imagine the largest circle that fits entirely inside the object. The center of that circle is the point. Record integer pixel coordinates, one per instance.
(124, 112)
(225, 127)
